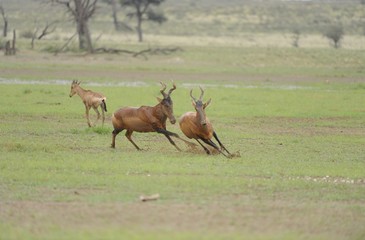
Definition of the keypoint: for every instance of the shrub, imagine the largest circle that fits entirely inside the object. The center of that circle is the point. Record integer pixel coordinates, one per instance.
(335, 34)
(28, 34)
(296, 36)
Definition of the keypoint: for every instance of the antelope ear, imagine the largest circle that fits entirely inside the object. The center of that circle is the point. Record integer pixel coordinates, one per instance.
(159, 99)
(207, 103)
(193, 103)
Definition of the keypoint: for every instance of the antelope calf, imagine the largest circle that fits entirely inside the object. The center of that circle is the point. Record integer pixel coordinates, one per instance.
(196, 125)
(146, 119)
(91, 100)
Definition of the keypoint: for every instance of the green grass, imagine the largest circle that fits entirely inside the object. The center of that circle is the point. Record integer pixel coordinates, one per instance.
(232, 64)
(294, 115)
(301, 157)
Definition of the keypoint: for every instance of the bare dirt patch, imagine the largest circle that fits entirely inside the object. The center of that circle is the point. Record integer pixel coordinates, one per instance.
(309, 126)
(247, 216)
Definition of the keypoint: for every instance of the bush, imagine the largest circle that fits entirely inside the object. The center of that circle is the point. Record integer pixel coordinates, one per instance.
(296, 36)
(2, 43)
(335, 34)
(28, 34)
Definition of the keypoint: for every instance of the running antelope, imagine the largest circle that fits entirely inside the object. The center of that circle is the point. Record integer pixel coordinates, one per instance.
(196, 125)
(91, 100)
(146, 119)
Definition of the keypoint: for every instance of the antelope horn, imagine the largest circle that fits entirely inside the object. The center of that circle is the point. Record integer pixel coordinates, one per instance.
(202, 93)
(163, 90)
(191, 95)
(172, 89)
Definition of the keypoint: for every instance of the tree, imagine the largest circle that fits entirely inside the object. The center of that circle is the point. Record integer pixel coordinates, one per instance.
(296, 36)
(143, 11)
(10, 48)
(362, 2)
(81, 11)
(46, 31)
(119, 26)
(114, 10)
(335, 34)
(5, 19)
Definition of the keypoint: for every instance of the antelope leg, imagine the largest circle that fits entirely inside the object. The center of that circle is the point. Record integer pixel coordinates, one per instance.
(172, 142)
(167, 135)
(128, 134)
(87, 116)
(211, 143)
(103, 117)
(114, 133)
(165, 132)
(205, 149)
(97, 113)
(185, 141)
(220, 144)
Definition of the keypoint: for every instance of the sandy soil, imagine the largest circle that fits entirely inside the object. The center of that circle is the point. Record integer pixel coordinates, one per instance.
(249, 216)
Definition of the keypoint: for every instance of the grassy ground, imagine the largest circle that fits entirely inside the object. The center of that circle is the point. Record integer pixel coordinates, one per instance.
(211, 64)
(296, 117)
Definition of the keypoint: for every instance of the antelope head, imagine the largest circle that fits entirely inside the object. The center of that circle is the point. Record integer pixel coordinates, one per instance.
(200, 106)
(74, 85)
(166, 103)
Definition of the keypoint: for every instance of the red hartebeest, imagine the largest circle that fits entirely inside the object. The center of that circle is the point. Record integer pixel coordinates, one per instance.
(146, 119)
(91, 100)
(196, 125)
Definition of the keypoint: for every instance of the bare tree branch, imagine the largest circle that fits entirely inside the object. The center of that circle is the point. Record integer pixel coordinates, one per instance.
(81, 11)
(46, 30)
(68, 6)
(143, 53)
(142, 11)
(91, 8)
(65, 45)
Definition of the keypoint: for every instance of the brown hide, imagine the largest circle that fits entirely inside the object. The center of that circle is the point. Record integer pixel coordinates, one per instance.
(196, 125)
(190, 125)
(142, 119)
(146, 119)
(93, 99)
(90, 99)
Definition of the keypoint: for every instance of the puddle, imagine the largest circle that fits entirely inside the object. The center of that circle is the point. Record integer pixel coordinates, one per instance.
(144, 84)
(280, 87)
(328, 179)
(68, 82)
(34, 82)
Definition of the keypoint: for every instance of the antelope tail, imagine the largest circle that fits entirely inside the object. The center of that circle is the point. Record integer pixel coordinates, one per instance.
(103, 105)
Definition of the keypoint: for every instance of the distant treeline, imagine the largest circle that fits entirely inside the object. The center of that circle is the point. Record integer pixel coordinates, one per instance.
(205, 17)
